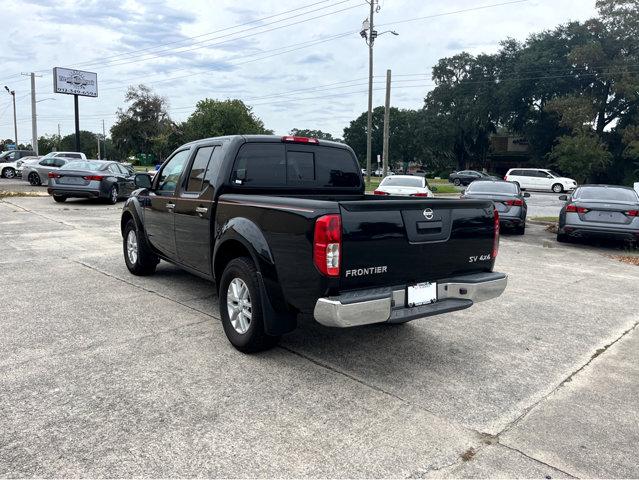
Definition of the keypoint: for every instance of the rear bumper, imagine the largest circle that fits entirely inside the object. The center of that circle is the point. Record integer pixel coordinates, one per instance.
(599, 232)
(389, 304)
(77, 193)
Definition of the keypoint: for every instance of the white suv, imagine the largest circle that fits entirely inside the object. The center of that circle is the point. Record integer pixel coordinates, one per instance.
(540, 179)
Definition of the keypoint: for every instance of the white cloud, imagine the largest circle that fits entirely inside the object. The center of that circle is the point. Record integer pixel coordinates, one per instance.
(256, 68)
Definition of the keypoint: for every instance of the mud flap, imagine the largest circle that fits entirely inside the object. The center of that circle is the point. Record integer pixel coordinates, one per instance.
(275, 323)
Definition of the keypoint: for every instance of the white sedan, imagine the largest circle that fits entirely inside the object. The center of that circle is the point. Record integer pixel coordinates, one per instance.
(404, 185)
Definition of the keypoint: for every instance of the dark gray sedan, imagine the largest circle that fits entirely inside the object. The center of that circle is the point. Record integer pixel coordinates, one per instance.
(604, 211)
(508, 198)
(106, 180)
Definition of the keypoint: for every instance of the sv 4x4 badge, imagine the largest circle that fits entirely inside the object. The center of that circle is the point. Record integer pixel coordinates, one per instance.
(480, 258)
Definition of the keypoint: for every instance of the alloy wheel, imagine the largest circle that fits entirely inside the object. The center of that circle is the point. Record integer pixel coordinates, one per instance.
(132, 247)
(238, 302)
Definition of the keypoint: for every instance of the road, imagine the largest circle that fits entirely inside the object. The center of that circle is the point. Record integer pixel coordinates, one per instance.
(107, 374)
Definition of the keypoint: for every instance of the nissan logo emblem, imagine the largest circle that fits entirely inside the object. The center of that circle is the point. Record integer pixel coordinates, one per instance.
(428, 214)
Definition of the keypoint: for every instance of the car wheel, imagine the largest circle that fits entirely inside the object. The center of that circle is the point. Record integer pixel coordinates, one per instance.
(8, 172)
(521, 229)
(557, 188)
(139, 258)
(563, 238)
(34, 179)
(457, 182)
(113, 195)
(59, 198)
(240, 300)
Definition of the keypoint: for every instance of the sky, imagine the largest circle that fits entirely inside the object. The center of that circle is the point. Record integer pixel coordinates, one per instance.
(298, 64)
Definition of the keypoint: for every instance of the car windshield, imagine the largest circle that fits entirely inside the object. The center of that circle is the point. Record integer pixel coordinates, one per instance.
(395, 181)
(610, 194)
(82, 166)
(5, 154)
(492, 187)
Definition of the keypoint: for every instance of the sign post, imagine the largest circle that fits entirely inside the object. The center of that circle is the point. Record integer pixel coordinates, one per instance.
(77, 83)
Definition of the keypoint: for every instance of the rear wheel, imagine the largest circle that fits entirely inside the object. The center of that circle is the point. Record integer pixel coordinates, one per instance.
(8, 172)
(241, 307)
(457, 182)
(34, 179)
(113, 195)
(59, 198)
(521, 229)
(563, 238)
(139, 258)
(557, 188)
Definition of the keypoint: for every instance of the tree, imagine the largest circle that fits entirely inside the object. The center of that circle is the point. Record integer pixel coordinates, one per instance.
(214, 118)
(48, 143)
(88, 143)
(143, 121)
(302, 132)
(581, 156)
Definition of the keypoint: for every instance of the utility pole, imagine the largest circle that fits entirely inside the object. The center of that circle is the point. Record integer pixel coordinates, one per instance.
(15, 121)
(98, 137)
(59, 137)
(34, 121)
(369, 121)
(386, 122)
(104, 138)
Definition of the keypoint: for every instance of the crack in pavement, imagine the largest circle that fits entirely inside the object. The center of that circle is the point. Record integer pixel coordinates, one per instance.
(39, 214)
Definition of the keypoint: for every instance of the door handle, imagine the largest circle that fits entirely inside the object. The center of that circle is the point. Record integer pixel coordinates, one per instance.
(170, 206)
(201, 210)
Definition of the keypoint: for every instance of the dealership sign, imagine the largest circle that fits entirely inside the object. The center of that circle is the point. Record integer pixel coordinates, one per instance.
(75, 82)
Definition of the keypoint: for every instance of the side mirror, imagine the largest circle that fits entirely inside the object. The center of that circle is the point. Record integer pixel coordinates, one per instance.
(142, 180)
(563, 198)
(526, 195)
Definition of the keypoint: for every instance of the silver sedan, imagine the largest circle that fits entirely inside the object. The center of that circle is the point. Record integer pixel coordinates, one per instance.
(37, 172)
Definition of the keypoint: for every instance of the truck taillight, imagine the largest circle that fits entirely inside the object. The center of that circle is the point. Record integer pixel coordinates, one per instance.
(496, 235)
(327, 244)
(294, 139)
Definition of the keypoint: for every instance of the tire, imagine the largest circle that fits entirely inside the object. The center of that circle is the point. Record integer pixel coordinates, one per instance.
(521, 229)
(563, 238)
(244, 327)
(34, 179)
(457, 182)
(112, 199)
(9, 172)
(139, 258)
(557, 188)
(59, 198)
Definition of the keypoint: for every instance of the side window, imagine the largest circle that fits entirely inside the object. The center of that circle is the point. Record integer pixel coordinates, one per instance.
(123, 170)
(47, 162)
(260, 164)
(113, 168)
(198, 169)
(74, 155)
(300, 167)
(170, 174)
(58, 162)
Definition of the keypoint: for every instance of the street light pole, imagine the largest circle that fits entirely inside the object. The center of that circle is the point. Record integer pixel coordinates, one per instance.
(15, 120)
(369, 121)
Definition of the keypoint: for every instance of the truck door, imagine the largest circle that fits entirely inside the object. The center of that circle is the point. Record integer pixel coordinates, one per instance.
(194, 208)
(160, 205)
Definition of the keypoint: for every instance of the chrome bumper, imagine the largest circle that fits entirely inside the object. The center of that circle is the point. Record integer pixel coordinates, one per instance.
(389, 305)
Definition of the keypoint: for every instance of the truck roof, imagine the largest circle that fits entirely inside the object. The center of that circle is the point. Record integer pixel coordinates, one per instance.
(261, 138)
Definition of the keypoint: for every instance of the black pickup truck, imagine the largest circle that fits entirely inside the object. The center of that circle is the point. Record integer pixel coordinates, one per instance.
(283, 228)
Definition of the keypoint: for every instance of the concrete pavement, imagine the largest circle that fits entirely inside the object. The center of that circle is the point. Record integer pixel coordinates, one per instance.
(107, 374)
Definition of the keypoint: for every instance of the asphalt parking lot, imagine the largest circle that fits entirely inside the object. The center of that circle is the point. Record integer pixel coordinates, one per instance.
(107, 374)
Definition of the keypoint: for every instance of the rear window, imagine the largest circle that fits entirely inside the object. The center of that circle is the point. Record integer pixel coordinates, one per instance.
(288, 165)
(490, 187)
(606, 194)
(82, 166)
(403, 182)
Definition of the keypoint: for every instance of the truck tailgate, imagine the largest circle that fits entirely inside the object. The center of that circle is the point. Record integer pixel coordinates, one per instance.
(399, 242)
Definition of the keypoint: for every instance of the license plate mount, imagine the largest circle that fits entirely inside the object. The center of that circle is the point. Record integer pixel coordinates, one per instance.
(421, 294)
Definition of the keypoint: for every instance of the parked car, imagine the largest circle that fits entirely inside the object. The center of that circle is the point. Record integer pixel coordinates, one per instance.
(37, 172)
(25, 161)
(600, 211)
(404, 185)
(284, 228)
(540, 179)
(9, 162)
(91, 179)
(466, 177)
(508, 198)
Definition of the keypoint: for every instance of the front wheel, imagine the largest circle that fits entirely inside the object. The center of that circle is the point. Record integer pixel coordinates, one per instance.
(241, 307)
(557, 188)
(8, 173)
(457, 182)
(139, 258)
(34, 179)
